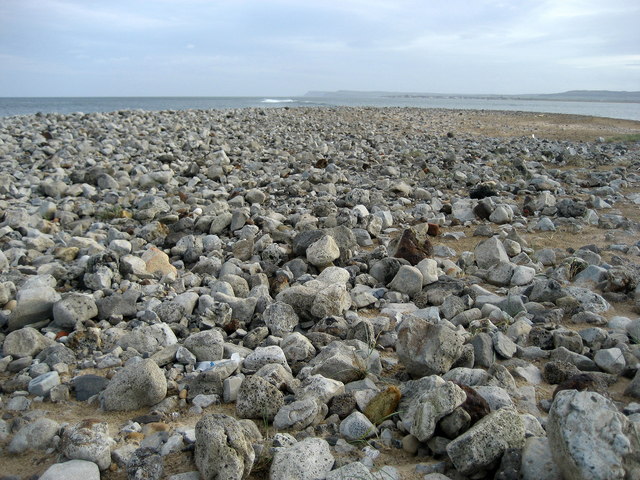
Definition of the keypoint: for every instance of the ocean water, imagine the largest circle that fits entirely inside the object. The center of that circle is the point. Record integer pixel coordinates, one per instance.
(27, 106)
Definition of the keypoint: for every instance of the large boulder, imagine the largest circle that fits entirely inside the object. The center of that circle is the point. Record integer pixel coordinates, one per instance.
(257, 398)
(138, 385)
(222, 450)
(591, 439)
(26, 342)
(427, 348)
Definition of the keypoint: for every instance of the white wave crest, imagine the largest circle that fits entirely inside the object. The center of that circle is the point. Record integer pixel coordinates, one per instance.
(276, 100)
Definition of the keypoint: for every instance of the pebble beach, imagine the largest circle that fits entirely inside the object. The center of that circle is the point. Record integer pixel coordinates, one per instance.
(319, 293)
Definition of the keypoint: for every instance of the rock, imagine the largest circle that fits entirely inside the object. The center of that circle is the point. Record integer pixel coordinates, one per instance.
(355, 470)
(537, 461)
(408, 280)
(157, 261)
(280, 318)
(490, 252)
(74, 308)
(257, 398)
(145, 464)
(306, 460)
(222, 449)
(206, 345)
(323, 251)
(88, 385)
(409, 248)
(34, 305)
(356, 427)
(429, 270)
(610, 360)
(72, 470)
(37, 435)
(426, 348)
(433, 406)
(26, 342)
(484, 443)
(137, 385)
(503, 345)
(298, 415)
(88, 440)
(332, 300)
(41, 385)
(589, 438)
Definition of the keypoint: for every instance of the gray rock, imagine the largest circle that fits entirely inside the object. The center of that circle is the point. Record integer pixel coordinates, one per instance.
(148, 339)
(610, 360)
(309, 459)
(503, 345)
(486, 441)
(88, 440)
(26, 342)
(408, 280)
(73, 308)
(332, 300)
(537, 461)
(588, 300)
(72, 470)
(37, 435)
(280, 318)
(323, 251)
(496, 397)
(262, 356)
(355, 470)
(298, 415)
(206, 345)
(589, 438)
(42, 384)
(145, 464)
(357, 426)
(222, 450)
(297, 348)
(483, 352)
(118, 304)
(427, 348)
(137, 385)
(433, 406)
(34, 305)
(257, 398)
(490, 252)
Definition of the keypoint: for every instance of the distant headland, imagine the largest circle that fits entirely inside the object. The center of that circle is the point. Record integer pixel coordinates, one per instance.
(571, 95)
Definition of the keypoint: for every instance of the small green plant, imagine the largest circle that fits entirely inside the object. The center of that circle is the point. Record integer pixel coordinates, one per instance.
(626, 138)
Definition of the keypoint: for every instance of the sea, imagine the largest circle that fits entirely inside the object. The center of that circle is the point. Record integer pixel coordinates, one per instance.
(10, 106)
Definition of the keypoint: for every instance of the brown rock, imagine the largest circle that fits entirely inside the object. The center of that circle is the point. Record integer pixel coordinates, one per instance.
(433, 229)
(475, 405)
(409, 248)
(579, 382)
(383, 404)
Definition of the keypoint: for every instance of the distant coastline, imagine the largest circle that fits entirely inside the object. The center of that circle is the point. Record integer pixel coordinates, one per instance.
(608, 96)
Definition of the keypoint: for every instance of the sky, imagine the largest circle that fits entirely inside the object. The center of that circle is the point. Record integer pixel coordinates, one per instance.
(288, 47)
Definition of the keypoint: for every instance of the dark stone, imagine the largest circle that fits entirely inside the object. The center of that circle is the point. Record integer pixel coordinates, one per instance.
(145, 464)
(541, 337)
(580, 382)
(509, 468)
(570, 208)
(148, 418)
(483, 190)
(410, 249)
(87, 386)
(475, 405)
(343, 405)
(482, 211)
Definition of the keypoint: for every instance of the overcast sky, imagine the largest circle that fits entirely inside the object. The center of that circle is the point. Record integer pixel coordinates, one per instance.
(287, 47)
